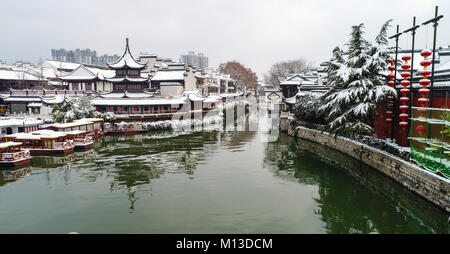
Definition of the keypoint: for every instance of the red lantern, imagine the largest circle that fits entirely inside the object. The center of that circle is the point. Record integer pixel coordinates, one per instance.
(121, 109)
(404, 99)
(405, 83)
(424, 82)
(404, 91)
(424, 91)
(425, 63)
(425, 73)
(404, 117)
(425, 53)
(406, 58)
(404, 107)
(405, 74)
(109, 108)
(136, 109)
(420, 128)
(406, 66)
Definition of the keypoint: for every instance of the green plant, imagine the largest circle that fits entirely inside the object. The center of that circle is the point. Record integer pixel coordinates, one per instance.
(446, 118)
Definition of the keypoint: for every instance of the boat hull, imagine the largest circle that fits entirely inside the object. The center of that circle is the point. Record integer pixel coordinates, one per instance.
(84, 146)
(15, 163)
(48, 151)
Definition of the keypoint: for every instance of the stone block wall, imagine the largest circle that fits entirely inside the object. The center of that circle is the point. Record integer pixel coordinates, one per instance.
(430, 186)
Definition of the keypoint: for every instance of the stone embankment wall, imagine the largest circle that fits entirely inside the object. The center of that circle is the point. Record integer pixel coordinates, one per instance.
(430, 186)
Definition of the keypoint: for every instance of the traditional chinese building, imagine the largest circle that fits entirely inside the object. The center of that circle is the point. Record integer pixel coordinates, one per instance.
(128, 74)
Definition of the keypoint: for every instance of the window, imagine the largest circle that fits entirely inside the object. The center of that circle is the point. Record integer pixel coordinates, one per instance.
(134, 87)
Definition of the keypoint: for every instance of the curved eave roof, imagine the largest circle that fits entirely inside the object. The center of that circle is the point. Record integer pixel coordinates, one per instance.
(81, 73)
(129, 79)
(127, 60)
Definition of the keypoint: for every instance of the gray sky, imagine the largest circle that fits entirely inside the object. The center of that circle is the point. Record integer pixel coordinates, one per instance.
(255, 33)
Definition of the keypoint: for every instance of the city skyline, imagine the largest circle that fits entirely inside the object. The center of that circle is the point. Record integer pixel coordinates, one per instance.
(257, 33)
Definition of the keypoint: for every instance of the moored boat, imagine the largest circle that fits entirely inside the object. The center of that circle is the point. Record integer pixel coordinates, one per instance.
(80, 139)
(43, 143)
(92, 126)
(12, 154)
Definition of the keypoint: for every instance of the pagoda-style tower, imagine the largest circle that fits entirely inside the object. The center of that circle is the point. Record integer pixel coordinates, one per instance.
(128, 74)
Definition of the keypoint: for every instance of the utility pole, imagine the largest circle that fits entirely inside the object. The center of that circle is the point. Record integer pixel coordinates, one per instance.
(396, 36)
(413, 33)
(435, 24)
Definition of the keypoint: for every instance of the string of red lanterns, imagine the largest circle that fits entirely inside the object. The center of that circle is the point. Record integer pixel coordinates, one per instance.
(390, 98)
(424, 91)
(405, 91)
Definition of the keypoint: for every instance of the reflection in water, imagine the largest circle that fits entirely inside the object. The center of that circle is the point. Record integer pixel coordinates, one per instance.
(8, 176)
(353, 198)
(209, 182)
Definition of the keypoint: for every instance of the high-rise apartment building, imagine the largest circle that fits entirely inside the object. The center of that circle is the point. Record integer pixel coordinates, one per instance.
(83, 56)
(197, 60)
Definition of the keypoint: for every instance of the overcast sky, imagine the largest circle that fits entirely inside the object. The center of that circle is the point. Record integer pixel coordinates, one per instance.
(255, 33)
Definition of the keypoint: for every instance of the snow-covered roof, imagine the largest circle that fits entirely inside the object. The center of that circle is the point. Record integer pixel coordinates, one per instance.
(102, 73)
(70, 125)
(92, 119)
(35, 104)
(195, 97)
(80, 73)
(17, 75)
(137, 102)
(298, 80)
(9, 122)
(23, 99)
(211, 99)
(170, 84)
(168, 75)
(127, 60)
(9, 144)
(35, 135)
(57, 99)
(230, 94)
(126, 78)
(60, 65)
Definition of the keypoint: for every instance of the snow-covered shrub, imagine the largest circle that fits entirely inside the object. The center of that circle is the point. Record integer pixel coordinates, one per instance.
(108, 117)
(384, 145)
(77, 108)
(73, 108)
(307, 109)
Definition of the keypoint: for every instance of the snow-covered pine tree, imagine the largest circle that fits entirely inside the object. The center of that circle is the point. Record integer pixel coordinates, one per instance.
(358, 86)
(77, 108)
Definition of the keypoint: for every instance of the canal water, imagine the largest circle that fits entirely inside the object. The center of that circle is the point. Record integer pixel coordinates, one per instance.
(211, 181)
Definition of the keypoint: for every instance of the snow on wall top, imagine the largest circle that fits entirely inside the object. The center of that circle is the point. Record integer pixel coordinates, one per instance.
(168, 75)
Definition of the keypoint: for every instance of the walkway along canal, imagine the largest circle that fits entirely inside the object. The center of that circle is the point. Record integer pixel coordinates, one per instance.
(210, 181)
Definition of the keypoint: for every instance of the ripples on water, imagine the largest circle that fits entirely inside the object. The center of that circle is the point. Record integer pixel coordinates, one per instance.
(211, 181)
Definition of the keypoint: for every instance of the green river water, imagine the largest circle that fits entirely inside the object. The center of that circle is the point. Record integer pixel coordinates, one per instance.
(210, 182)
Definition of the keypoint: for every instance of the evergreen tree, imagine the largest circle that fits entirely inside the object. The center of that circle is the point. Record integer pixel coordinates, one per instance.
(357, 84)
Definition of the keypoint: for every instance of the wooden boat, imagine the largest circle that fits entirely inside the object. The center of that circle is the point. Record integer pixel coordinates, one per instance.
(124, 128)
(43, 143)
(92, 126)
(80, 139)
(12, 154)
